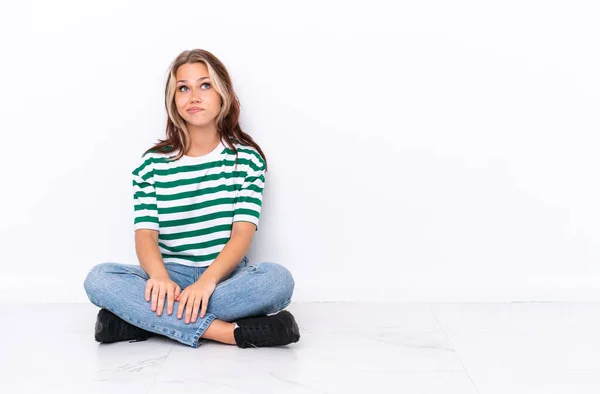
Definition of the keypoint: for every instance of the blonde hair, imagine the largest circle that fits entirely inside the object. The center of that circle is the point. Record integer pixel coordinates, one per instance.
(178, 137)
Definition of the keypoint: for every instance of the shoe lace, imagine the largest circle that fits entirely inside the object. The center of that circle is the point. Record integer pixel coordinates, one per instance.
(259, 335)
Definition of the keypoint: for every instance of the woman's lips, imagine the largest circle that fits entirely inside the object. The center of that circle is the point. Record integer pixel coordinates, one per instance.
(194, 110)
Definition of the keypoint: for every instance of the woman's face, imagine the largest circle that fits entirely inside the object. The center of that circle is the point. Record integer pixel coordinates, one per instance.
(194, 90)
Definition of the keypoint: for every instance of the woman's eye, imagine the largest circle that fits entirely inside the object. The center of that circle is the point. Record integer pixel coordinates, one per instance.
(183, 86)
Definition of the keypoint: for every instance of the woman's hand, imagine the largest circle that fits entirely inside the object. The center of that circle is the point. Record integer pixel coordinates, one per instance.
(159, 286)
(192, 296)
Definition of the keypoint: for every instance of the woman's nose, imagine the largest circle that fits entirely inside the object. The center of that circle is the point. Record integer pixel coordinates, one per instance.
(196, 95)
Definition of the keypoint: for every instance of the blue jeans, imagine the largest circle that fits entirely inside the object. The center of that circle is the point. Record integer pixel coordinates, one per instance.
(250, 290)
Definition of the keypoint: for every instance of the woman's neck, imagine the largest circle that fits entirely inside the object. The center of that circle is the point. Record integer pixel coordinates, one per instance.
(203, 142)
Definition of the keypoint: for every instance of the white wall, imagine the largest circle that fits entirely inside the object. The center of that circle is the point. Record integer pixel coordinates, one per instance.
(423, 151)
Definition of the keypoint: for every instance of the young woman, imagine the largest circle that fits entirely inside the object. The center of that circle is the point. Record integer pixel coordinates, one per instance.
(197, 198)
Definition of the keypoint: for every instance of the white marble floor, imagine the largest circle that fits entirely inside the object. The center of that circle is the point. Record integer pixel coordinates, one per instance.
(345, 347)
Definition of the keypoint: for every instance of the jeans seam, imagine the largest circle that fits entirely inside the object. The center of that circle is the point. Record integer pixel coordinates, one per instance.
(209, 319)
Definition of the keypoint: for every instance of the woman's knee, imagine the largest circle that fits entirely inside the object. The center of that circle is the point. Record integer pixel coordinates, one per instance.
(281, 282)
(95, 281)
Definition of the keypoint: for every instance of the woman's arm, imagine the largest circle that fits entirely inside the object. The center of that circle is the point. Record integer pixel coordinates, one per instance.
(246, 213)
(232, 253)
(148, 253)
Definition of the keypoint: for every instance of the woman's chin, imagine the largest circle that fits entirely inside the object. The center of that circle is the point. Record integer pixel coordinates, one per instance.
(197, 124)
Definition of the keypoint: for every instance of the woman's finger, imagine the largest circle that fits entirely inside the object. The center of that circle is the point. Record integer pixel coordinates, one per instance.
(204, 305)
(195, 309)
(155, 289)
(182, 299)
(147, 292)
(161, 299)
(170, 299)
(188, 308)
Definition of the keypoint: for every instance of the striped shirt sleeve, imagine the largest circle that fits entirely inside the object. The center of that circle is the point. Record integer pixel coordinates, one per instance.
(144, 197)
(248, 203)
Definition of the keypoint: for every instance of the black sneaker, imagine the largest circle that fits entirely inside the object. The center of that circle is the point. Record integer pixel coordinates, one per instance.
(273, 330)
(111, 328)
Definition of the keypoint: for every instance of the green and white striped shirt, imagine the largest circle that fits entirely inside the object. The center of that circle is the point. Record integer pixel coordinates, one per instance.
(194, 201)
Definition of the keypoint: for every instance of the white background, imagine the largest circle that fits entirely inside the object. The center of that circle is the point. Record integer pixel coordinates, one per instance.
(418, 151)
